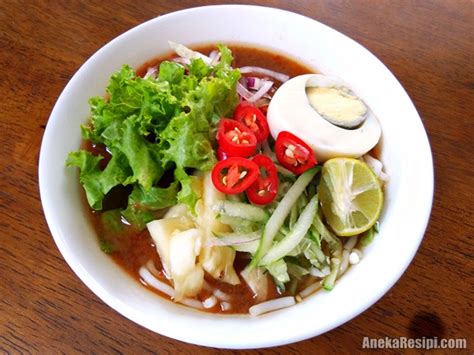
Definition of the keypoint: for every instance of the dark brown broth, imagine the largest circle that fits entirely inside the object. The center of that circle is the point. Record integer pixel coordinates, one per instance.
(133, 249)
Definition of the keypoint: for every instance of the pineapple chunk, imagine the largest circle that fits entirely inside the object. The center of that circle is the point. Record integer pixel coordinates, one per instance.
(162, 230)
(218, 260)
(188, 278)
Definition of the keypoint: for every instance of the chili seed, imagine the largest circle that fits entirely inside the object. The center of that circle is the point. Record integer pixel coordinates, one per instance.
(242, 174)
(224, 180)
(289, 152)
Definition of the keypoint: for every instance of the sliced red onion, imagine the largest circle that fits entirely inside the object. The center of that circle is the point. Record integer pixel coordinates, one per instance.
(209, 302)
(311, 289)
(272, 305)
(182, 61)
(235, 239)
(258, 70)
(187, 53)
(214, 56)
(151, 71)
(267, 85)
(242, 91)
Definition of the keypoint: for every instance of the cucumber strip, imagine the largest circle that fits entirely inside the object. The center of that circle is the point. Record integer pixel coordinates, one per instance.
(302, 226)
(241, 210)
(329, 280)
(335, 247)
(293, 216)
(296, 271)
(278, 217)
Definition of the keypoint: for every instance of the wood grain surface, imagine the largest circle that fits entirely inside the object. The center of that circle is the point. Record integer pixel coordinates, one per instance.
(45, 308)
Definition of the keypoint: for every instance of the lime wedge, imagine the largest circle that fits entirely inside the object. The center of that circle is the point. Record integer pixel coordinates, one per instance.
(351, 196)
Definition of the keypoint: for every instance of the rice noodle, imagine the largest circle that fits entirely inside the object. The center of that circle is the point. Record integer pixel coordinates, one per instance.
(267, 85)
(319, 273)
(272, 305)
(271, 73)
(226, 306)
(344, 262)
(152, 281)
(221, 295)
(355, 256)
(209, 302)
(311, 289)
(351, 242)
(163, 287)
(190, 302)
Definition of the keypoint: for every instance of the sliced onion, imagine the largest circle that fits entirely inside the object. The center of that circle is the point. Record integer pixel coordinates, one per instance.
(311, 289)
(272, 305)
(221, 295)
(258, 70)
(266, 86)
(209, 302)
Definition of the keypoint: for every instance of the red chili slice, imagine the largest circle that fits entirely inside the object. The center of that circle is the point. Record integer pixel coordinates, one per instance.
(293, 153)
(234, 175)
(221, 155)
(265, 188)
(235, 139)
(254, 119)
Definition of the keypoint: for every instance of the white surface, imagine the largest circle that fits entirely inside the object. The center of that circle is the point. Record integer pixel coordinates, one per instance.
(406, 155)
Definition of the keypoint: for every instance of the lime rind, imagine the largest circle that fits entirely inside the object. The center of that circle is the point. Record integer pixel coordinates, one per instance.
(351, 196)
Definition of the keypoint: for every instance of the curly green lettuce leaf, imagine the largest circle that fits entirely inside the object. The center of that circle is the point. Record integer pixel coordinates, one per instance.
(152, 125)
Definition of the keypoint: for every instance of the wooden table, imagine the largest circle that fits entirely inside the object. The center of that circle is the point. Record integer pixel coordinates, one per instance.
(45, 308)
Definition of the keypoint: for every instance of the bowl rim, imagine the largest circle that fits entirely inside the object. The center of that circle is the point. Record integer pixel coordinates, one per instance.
(129, 313)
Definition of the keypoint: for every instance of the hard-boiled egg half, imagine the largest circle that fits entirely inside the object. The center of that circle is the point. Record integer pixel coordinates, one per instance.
(325, 113)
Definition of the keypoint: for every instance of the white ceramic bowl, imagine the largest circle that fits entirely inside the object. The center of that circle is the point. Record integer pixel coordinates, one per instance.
(405, 153)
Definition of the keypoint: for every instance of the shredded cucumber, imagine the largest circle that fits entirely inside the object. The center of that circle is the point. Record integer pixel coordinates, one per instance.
(295, 236)
(278, 217)
(241, 210)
